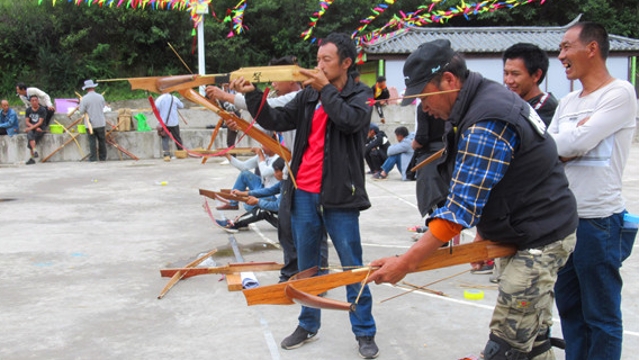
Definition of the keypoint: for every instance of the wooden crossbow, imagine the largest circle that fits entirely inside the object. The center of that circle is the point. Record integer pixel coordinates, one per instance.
(258, 74)
(184, 84)
(305, 287)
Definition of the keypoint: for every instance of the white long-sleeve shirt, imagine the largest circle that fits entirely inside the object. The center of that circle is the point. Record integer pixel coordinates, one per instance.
(43, 98)
(266, 169)
(601, 145)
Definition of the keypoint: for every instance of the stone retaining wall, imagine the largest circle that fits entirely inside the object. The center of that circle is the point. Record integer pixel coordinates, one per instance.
(147, 145)
(144, 145)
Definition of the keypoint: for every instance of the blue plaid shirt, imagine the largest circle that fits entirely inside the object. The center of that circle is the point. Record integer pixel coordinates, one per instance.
(483, 155)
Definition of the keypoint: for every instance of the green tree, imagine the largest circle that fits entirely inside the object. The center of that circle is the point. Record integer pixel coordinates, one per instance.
(57, 47)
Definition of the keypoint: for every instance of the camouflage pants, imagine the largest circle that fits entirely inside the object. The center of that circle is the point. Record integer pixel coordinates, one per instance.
(526, 295)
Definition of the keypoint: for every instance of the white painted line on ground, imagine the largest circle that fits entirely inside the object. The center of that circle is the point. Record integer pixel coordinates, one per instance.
(392, 194)
(387, 246)
(264, 237)
(268, 336)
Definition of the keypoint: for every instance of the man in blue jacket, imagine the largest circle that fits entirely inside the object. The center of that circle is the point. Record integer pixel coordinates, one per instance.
(332, 119)
(8, 120)
(265, 203)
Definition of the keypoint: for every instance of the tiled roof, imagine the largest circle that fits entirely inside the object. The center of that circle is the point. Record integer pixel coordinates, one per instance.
(485, 40)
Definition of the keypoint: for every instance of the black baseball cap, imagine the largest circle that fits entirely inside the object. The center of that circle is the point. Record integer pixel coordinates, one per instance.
(422, 65)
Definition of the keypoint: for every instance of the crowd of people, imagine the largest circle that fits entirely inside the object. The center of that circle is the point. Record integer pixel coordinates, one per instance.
(40, 110)
(527, 169)
(516, 164)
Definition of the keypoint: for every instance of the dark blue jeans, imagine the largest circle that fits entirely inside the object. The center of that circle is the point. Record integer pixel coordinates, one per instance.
(247, 180)
(588, 289)
(309, 221)
(390, 163)
(285, 238)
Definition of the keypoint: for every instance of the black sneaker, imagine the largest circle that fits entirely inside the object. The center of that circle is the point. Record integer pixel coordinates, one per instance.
(298, 338)
(36, 155)
(31, 161)
(367, 347)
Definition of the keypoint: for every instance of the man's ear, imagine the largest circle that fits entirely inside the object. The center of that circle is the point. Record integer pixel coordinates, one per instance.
(346, 64)
(536, 76)
(449, 79)
(593, 48)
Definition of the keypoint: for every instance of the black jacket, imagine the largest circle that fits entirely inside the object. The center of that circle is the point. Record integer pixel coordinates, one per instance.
(349, 116)
(379, 141)
(385, 94)
(430, 132)
(532, 205)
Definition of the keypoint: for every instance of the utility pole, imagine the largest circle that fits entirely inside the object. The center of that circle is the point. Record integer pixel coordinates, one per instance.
(202, 9)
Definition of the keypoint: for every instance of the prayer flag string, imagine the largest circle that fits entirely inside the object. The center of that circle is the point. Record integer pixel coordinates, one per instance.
(424, 15)
(428, 14)
(194, 7)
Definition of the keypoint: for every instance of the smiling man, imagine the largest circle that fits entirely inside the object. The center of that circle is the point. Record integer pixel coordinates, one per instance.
(593, 128)
(525, 67)
(332, 118)
(500, 142)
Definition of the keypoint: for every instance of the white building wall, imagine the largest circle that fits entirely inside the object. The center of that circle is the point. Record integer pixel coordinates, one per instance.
(491, 68)
(394, 75)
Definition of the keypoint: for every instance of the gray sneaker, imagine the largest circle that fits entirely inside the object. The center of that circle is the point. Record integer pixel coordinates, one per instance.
(367, 347)
(298, 338)
(494, 278)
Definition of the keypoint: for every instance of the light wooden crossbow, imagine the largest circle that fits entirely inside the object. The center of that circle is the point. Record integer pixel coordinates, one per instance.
(304, 289)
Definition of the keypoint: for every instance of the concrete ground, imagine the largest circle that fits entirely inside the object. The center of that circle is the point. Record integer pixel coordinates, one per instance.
(82, 245)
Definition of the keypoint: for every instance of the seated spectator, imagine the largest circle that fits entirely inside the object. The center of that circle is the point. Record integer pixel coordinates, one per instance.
(376, 146)
(265, 202)
(34, 120)
(247, 179)
(398, 154)
(8, 120)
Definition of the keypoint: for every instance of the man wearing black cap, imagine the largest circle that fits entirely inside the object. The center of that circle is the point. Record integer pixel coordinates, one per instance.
(507, 181)
(380, 92)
